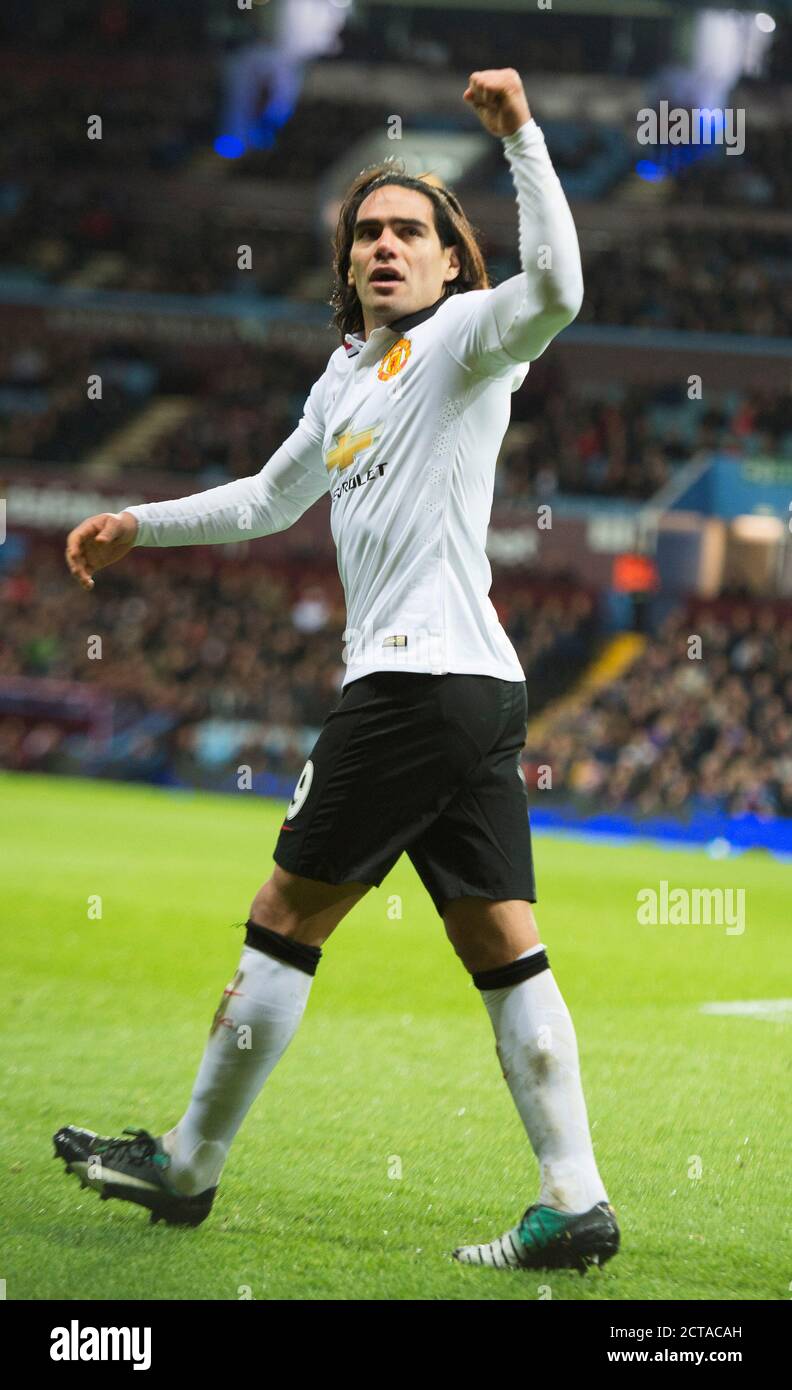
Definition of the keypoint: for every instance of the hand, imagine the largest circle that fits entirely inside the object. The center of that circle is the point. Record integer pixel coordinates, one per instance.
(498, 98)
(99, 541)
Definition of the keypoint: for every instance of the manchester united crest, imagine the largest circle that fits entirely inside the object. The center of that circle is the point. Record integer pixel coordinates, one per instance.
(394, 359)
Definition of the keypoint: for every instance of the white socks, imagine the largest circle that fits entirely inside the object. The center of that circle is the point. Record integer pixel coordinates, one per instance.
(535, 1041)
(259, 1015)
(255, 1021)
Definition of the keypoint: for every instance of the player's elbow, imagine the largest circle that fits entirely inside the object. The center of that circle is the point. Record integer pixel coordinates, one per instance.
(558, 310)
(564, 300)
(557, 313)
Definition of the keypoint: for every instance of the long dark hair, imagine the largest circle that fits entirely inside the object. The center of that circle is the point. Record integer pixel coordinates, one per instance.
(451, 223)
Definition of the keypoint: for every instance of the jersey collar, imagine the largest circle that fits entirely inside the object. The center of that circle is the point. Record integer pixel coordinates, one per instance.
(355, 344)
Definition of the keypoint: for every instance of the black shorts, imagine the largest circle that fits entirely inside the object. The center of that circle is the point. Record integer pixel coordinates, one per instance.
(424, 764)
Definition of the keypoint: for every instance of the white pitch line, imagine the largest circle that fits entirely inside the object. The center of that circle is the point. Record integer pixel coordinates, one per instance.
(772, 1010)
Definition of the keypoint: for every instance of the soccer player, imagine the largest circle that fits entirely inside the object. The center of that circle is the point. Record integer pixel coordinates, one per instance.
(421, 752)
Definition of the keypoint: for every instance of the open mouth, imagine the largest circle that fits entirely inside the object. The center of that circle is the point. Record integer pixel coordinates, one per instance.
(382, 276)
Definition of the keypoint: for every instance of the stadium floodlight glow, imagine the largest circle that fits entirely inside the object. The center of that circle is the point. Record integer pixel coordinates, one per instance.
(261, 136)
(229, 146)
(765, 22)
(649, 171)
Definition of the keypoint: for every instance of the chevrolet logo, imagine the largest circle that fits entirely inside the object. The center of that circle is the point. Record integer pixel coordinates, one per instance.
(349, 444)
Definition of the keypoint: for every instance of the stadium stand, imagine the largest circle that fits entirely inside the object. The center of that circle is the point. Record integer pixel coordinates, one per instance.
(681, 735)
(242, 644)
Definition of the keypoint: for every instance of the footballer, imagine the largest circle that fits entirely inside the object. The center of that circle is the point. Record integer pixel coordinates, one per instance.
(421, 753)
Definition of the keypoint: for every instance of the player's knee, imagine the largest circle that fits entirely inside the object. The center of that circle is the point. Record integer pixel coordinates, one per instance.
(276, 905)
(487, 934)
(307, 909)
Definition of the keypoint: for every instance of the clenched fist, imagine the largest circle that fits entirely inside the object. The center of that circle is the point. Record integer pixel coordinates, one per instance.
(99, 541)
(498, 98)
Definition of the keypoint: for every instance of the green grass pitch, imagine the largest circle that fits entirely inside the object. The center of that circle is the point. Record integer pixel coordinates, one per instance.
(386, 1134)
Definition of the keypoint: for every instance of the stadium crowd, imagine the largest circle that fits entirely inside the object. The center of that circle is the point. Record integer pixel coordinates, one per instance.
(624, 442)
(240, 644)
(681, 280)
(676, 279)
(678, 733)
(390, 33)
(764, 179)
(713, 282)
(59, 401)
(94, 234)
(377, 34)
(240, 667)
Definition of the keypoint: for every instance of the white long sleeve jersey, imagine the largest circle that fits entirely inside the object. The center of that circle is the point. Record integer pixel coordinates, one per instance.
(403, 429)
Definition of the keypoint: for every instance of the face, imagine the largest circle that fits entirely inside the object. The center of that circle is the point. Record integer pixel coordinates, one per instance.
(397, 264)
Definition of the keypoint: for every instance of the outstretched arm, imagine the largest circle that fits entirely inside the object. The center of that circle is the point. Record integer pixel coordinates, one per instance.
(291, 480)
(269, 501)
(272, 500)
(514, 322)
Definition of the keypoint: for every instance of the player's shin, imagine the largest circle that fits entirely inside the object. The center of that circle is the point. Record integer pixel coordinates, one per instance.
(255, 1021)
(537, 1048)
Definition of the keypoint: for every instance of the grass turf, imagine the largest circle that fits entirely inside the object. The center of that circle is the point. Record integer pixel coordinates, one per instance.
(392, 1071)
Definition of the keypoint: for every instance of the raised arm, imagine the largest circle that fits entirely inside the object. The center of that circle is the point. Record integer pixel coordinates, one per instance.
(514, 322)
(293, 478)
